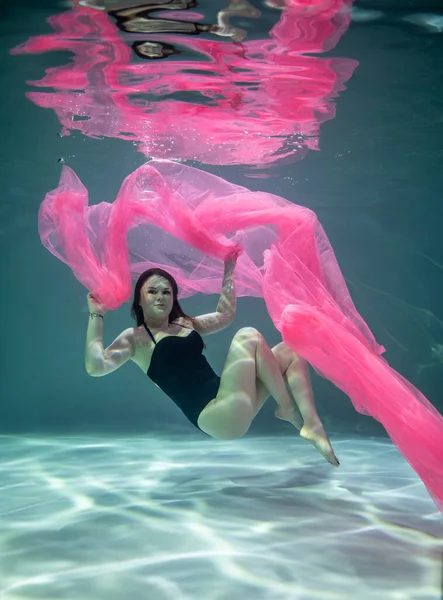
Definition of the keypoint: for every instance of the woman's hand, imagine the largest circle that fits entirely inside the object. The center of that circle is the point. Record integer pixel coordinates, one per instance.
(231, 258)
(94, 305)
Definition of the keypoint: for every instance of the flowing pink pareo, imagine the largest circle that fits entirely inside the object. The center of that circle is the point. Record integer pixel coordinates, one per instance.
(185, 220)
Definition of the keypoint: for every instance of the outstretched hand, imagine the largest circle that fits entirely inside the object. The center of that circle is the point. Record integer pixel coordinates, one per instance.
(94, 305)
(232, 256)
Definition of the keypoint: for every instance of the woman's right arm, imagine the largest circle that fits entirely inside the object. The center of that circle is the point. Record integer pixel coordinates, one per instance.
(100, 361)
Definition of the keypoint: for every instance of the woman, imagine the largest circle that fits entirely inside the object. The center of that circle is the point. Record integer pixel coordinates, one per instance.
(167, 345)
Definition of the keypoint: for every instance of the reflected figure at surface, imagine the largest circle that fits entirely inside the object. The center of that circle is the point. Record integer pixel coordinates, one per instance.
(139, 19)
(154, 50)
(167, 345)
(227, 99)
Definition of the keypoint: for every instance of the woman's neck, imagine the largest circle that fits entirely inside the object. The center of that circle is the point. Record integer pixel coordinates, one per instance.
(160, 324)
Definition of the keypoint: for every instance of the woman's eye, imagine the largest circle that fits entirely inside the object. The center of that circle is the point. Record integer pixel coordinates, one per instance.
(167, 293)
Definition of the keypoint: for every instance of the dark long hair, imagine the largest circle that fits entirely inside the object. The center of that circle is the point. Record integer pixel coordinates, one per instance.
(136, 309)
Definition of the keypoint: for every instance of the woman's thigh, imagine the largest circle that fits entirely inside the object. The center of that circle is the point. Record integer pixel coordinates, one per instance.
(230, 414)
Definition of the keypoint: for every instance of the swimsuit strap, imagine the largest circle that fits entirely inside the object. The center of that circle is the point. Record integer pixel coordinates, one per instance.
(150, 333)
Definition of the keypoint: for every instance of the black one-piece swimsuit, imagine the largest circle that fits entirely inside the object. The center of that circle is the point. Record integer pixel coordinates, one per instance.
(182, 372)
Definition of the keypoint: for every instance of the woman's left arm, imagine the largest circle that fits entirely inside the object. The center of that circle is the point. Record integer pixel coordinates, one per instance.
(225, 312)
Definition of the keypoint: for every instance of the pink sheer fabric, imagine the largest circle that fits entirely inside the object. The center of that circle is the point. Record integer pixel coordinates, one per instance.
(185, 221)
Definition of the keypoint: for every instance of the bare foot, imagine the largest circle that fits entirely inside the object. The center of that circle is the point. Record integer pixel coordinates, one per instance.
(289, 415)
(317, 436)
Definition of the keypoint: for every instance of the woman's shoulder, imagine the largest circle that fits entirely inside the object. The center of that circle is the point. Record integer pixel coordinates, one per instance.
(140, 338)
(136, 332)
(133, 335)
(184, 322)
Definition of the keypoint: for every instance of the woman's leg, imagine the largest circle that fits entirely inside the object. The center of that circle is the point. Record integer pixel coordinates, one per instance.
(249, 359)
(251, 374)
(295, 371)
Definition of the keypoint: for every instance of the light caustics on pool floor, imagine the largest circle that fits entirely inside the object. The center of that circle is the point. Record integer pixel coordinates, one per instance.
(186, 517)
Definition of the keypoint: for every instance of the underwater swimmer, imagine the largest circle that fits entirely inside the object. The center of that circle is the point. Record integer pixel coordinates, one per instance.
(167, 345)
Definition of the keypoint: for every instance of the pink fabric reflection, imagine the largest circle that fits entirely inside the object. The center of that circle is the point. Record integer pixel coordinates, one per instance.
(185, 220)
(258, 102)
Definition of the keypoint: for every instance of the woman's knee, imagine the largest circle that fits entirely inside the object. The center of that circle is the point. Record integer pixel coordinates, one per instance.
(284, 354)
(249, 333)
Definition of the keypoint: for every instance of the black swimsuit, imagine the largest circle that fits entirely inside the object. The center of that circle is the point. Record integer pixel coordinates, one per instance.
(181, 371)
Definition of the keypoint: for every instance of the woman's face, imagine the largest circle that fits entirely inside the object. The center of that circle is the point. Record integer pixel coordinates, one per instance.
(156, 298)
